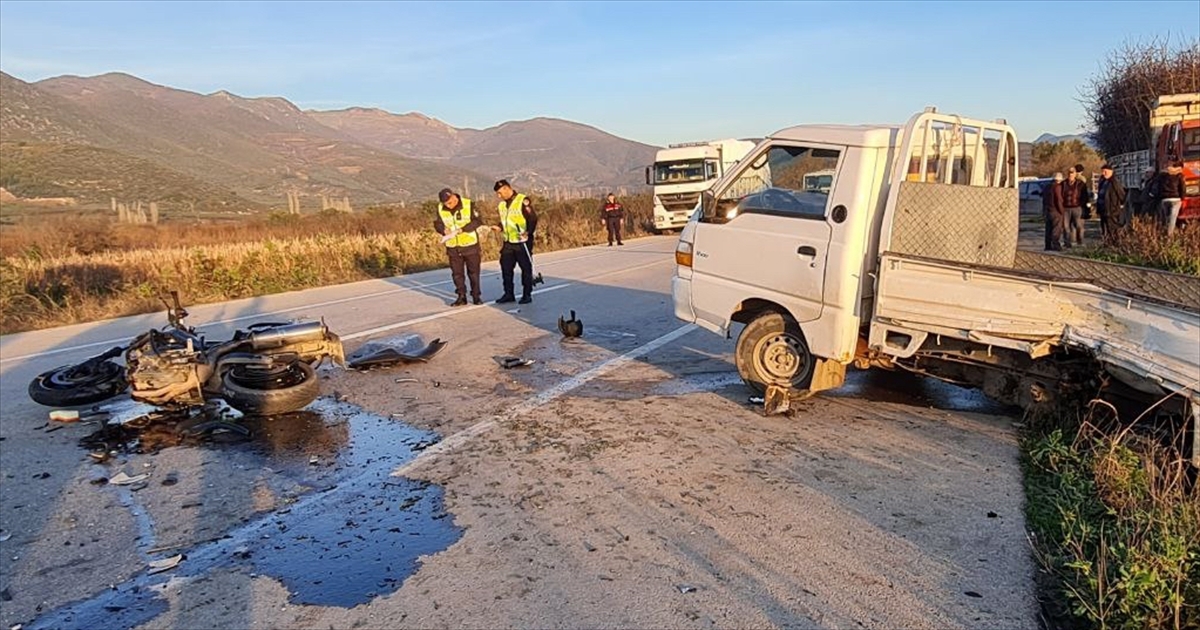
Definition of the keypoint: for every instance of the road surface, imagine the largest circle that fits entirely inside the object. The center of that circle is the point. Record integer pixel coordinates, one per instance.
(621, 480)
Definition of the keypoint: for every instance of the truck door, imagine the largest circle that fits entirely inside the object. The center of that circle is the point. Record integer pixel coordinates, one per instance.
(765, 235)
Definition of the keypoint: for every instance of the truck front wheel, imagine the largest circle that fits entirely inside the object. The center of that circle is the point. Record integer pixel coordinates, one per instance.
(772, 351)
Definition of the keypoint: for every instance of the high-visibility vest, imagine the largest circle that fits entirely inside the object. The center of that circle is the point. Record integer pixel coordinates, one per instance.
(512, 218)
(456, 220)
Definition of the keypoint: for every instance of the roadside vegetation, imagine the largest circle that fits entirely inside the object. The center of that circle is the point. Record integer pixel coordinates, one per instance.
(1111, 504)
(1115, 524)
(85, 270)
(1143, 243)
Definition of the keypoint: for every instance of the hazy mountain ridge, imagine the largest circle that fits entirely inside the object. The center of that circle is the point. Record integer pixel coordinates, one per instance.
(258, 149)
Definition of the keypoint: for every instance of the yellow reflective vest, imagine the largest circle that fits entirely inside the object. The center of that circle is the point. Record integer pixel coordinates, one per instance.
(512, 218)
(456, 220)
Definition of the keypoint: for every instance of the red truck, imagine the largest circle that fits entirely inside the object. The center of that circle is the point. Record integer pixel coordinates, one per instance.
(1175, 135)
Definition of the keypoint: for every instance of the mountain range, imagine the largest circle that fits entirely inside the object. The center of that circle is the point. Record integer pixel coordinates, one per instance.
(1054, 139)
(115, 135)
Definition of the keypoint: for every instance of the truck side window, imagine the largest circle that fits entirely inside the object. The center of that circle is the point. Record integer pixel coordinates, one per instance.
(790, 181)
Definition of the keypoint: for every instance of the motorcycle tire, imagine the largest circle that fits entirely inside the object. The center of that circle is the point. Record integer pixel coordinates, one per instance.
(270, 391)
(81, 384)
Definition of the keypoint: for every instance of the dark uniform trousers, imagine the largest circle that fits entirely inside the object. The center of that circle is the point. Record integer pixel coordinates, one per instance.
(614, 228)
(513, 254)
(464, 261)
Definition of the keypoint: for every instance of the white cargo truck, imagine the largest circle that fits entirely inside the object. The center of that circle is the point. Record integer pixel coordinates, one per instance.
(908, 260)
(682, 171)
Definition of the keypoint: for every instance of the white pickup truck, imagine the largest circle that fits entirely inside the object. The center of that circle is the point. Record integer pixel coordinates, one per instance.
(909, 260)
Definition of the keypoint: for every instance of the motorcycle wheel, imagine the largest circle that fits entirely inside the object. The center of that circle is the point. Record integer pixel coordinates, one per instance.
(267, 391)
(82, 384)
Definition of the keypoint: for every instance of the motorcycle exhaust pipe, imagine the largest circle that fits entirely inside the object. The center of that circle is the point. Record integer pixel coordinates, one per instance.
(280, 336)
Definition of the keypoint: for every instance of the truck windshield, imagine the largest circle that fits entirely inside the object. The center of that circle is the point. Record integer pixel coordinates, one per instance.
(1191, 144)
(679, 172)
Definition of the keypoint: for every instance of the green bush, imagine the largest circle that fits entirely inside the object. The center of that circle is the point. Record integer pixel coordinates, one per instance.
(1116, 528)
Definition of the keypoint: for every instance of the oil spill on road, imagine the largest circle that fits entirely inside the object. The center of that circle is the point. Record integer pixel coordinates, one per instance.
(905, 388)
(357, 538)
(365, 538)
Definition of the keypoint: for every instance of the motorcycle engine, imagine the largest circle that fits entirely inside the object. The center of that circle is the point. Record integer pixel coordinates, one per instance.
(166, 370)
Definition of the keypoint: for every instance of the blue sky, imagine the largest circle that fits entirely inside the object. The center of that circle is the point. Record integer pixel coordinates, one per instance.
(653, 72)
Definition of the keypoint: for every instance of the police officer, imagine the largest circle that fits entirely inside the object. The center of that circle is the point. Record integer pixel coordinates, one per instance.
(457, 225)
(612, 214)
(518, 222)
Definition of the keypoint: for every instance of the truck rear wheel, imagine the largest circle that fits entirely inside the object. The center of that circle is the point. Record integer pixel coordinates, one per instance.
(772, 351)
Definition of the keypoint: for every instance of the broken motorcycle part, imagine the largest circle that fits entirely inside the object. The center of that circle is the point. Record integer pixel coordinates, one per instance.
(386, 356)
(570, 327)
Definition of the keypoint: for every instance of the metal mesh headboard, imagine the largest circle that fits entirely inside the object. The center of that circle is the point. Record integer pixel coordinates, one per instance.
(968, 224)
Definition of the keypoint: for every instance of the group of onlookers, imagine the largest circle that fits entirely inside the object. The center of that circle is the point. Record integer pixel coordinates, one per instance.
(1066, 202)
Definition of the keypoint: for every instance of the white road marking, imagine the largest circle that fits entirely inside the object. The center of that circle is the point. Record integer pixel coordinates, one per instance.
(117, 342)
(466, 435)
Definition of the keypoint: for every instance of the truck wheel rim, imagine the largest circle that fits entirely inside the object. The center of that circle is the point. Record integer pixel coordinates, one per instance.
(780, 357)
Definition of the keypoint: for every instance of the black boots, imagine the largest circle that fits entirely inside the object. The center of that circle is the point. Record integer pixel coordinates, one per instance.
(506, 298)
(461, 301)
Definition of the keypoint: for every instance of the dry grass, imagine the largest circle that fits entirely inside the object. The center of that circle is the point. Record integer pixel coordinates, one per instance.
(1145, 244)
(89, 271)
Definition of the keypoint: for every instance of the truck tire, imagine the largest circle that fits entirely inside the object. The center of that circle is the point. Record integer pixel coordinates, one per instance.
(772, 351)
(270, 391)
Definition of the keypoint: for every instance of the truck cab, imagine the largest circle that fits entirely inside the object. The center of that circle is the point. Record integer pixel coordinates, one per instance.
(682, 171)
(788, 242)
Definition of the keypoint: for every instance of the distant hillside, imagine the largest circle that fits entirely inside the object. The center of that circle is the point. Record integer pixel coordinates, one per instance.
(92, 175)
(542, 153)
(254, 148)
(1051, 138)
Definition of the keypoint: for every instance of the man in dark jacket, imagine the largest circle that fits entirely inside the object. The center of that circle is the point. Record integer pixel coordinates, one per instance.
(1053, 211)
(612, 214)
(1075, 197)
(1110, 203)
(1170, 194)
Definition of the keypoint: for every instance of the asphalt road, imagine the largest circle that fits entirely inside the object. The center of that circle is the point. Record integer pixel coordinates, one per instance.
(621, 480)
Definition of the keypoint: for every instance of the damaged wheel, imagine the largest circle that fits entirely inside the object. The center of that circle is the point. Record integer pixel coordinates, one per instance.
(267, 391)
(83, 384)
(772, 351)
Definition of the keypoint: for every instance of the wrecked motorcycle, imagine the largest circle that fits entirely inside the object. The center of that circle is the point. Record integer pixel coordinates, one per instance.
(266, 369)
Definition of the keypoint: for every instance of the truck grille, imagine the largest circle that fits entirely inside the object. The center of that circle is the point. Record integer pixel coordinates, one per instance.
(679, 202)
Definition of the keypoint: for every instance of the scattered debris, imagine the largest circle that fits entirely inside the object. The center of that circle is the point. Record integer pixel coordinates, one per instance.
(170, 480)
(64, 415)
(314, 460)
(407, 380)
(776, 400)
(5, 595)
(587, 545)
(44, 475)
(972, 594)
(55, 428)
(685, 588)
(509, 363)
(993, 515)
(166, 564)
(756, 400)
(5, 537)
(570, 328)
(513, 311)
(209, 427)
(121, 479)
(382, 354)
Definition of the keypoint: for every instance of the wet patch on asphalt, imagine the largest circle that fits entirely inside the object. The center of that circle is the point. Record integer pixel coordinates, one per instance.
(358, 537)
